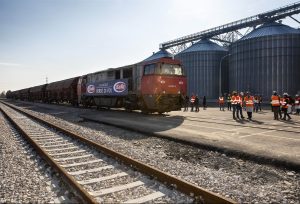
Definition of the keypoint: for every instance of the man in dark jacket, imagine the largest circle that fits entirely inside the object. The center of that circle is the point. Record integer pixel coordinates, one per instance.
(228, 102)
(196, 103)
(186, 103)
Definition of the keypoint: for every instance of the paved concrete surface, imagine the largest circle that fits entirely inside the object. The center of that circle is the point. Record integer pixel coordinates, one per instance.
(262, 139)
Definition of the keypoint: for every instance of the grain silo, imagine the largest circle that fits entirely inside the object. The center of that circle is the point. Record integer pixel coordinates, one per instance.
(266, 59)
(201, 64)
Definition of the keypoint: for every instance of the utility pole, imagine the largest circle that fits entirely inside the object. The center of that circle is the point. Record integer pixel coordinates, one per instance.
(46, 80)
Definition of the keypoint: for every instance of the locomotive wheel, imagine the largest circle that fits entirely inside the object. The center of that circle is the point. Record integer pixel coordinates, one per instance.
(128, 108)
(143, 106)
(145, 111)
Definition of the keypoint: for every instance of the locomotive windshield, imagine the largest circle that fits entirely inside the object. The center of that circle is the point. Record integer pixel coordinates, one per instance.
(163, 69)
(171, 69)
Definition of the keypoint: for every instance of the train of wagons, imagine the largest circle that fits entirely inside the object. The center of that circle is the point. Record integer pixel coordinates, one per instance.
(153, 86)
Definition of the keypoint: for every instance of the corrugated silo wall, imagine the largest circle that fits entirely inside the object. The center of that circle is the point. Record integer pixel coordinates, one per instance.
(202, 71)
(264, 64)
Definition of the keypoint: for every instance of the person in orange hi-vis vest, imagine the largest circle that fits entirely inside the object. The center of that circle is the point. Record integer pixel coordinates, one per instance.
(236, 102)
(280, 108)
(249, 102)
(240, 105)
(221, 103)
(233, 104)
(275, 102)
(286, 102)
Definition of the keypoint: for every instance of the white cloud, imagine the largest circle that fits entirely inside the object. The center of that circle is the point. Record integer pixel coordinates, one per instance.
(8, 64)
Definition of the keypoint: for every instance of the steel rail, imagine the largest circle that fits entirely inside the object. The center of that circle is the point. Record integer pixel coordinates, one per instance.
(187, 188)
(84, 195)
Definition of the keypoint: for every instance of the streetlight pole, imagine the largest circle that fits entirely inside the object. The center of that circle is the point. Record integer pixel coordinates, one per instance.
(220, 77)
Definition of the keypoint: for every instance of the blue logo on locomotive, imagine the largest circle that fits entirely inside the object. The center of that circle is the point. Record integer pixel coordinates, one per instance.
(119, 87)
(91, 88)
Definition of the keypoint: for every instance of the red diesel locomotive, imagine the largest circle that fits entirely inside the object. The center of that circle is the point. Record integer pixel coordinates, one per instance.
(152, 86)
(157, 85)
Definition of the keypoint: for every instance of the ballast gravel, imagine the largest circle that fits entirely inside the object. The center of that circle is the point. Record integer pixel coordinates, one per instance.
(125, 179)
(25, 177)
(241, 180)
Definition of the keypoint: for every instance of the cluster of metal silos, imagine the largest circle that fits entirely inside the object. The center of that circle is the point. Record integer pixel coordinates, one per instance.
(266, 59)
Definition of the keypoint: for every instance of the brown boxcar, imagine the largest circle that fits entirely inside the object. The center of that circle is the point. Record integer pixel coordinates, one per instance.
(37, 93)
(24, 94)
(62, 91)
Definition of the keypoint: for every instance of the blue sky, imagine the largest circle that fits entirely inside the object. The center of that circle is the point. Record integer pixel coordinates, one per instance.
(67, 38)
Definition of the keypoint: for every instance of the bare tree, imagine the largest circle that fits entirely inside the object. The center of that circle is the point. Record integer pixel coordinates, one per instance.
(8, 94)
(2, 95)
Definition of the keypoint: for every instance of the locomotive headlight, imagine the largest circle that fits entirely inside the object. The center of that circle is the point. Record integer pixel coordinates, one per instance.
(178, 92)
(164, 92)
(180, 82)
(162, 82)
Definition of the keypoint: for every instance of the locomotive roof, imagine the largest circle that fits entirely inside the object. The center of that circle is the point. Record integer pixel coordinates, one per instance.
(166, 60)
(158, 55)
(113, 69)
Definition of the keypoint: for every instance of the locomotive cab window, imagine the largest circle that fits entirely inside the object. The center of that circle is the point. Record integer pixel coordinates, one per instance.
(150, 69)
(171, 69)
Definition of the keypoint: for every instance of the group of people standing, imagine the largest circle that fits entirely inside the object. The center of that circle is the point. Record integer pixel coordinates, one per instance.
(284, 104)
(257, 101)
(194, 102)
(237, 102)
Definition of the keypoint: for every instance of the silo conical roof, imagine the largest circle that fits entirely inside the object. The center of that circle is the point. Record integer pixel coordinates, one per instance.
(160, 54)
(204, 45)
(269, 29)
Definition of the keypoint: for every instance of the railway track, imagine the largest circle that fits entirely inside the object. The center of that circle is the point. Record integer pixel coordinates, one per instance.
(98, 174)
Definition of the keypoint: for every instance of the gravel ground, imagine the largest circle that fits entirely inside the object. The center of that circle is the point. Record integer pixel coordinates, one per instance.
(243, 181)
(25, 177)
